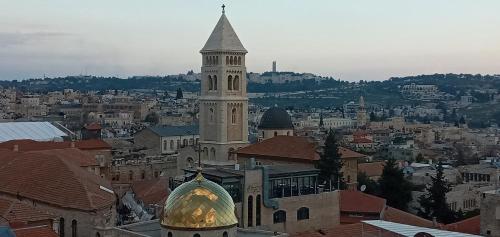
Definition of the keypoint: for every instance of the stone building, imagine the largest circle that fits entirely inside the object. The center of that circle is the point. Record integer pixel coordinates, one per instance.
(223, 101)
(279, 198)
(490, 213)
(167, 139)
(83, 203)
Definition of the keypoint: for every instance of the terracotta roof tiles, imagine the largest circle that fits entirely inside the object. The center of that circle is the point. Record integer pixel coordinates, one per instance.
(16, 211)
(469, 226)
(30, 145)
(356, 201)
(53, 180)
(153, 191)
(37, 231)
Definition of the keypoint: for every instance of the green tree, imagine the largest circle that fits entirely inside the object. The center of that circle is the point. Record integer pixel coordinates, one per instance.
(373, 117)
(394, 187)
(433, 202)
(330, 163)
(179, 94)
(371, 186)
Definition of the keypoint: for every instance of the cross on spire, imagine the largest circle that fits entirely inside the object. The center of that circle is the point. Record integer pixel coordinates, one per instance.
(223, 6)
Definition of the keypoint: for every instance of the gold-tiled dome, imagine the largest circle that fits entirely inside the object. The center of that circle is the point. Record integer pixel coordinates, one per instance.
(199, 204)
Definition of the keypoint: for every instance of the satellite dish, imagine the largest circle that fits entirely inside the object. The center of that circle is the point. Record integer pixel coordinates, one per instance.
(362, 188)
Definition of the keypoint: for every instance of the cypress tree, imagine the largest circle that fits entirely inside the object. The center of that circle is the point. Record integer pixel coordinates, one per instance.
(394, 187)
(330, 163)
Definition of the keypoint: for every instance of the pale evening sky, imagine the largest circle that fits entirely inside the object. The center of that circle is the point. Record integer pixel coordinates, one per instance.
(351, 40)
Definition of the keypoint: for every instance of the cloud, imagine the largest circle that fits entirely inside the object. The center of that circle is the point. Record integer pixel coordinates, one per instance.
(15, 38)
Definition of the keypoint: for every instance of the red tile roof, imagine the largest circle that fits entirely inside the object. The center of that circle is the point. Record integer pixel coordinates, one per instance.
(347, 230)
(395, 215)
(16, 211)
(372, 169)
(290, 147)
(469, 226)
(356, 201)
(30, 145)
(54, 180)
(153, 191)
(37, 231)
(81, 158)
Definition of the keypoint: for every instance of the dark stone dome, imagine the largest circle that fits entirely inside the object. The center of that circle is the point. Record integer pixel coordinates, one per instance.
(276, 118)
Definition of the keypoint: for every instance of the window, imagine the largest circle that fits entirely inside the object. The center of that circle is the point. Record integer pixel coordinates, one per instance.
(169, 234)
(279, 217)
(212, 153)
(73, 228)
(215, 82)
(233, 116)
(171, 144)
(236, 83)
(196, 235)
(231, 60)
(275, 133)
(239, 60)
(61, 227)
(230, 82)
(210, 83)
(224, 234)
(143, 174)
(97, 234)
(205, 153)
(303, 213)
(250, 210)
(164, 145)
(130, 175)
(257, 210)
(227, 60)
(212, 115)
(184, 142)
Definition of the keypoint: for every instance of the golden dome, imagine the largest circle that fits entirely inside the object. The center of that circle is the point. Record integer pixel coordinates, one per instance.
(199, 204)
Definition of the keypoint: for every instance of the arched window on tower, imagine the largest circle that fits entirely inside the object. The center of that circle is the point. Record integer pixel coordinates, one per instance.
(216, 60)
(212, 153)
(215, 82)
(234, 118)
(239, 60)
(230, 82)
(206, 60)
(225, 234)
(257, 210)
(210, 83)
(212, 115)
(205, 153)
(231, 60)
(172, 145)
(236, 82)
(227, 60)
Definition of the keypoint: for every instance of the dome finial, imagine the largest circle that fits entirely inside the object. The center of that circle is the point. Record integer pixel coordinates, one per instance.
(223, 10)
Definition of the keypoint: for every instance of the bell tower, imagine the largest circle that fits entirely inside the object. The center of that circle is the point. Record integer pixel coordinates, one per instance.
(223, 97)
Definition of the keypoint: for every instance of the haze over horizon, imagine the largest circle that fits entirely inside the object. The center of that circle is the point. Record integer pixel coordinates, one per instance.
(362, 40)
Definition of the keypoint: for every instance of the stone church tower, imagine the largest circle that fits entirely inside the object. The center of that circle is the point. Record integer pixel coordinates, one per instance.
(361, 114)
(223, 97)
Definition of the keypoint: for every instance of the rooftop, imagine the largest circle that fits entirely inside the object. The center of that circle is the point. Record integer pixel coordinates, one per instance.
(169, 131)
(38, 131)
(223, 38)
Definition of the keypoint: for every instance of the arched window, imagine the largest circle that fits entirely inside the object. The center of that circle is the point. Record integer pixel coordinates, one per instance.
(250, 210)
(216, 60)
(205, 153)
(239, 60)
(230, 82)
(257, 210)
(171, 144)
(206, 60)
(236, 83)
(231, 60)
(227, 60)
(215, 82)
(279, 216)
(143, 174)
(303, 213)
(348, 178)
(211, 115)
(164, 145)
(275, 133)
(191, 141)
(170, 234)
(233, 116)
(184, 142)
(224, 234)
(97, 234)
(74, 230)
(212, 153)
(210, 83)
(61, 227)
(196, 235)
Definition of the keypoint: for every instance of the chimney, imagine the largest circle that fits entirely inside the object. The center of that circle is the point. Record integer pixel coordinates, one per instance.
(16, 147)
(72, 144)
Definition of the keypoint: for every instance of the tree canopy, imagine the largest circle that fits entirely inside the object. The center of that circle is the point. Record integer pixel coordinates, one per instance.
(330, 162)
(394, 187)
